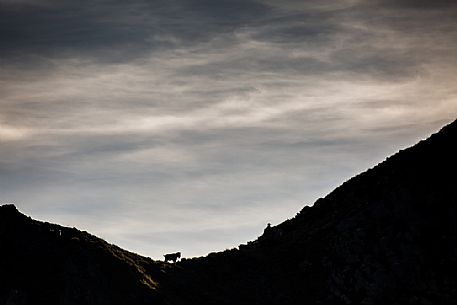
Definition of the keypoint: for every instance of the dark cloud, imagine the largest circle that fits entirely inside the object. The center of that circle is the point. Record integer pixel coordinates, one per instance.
(116, 30)
(418, 4)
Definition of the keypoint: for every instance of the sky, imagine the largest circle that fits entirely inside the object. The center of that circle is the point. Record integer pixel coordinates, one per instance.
(188, 125)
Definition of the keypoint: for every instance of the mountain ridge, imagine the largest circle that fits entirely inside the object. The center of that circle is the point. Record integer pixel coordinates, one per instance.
(385, 236)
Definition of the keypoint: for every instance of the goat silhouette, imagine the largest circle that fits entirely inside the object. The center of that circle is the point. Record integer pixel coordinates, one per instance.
(172, 257)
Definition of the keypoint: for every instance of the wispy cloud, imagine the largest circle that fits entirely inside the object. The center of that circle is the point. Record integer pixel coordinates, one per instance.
(204, 120)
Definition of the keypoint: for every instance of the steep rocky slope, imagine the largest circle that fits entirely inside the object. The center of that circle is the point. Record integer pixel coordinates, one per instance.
(386, 236)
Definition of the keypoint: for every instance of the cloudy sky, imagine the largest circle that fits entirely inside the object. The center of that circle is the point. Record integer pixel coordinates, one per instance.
(188, 125)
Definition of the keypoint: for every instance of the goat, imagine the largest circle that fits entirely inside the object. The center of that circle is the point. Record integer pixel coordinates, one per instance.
(172, 257)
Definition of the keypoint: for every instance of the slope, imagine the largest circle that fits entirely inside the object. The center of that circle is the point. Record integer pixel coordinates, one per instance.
(42, 263)
(386, 236)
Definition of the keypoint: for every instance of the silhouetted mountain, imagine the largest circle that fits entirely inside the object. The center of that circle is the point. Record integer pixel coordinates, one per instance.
(42, 263)
(386, 236)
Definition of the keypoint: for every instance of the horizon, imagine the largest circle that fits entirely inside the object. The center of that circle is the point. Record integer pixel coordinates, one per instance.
(158, 258)
(242, 242)
(188, 125)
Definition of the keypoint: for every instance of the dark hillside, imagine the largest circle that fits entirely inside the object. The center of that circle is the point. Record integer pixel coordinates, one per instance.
(386, 236)
(42, 263)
